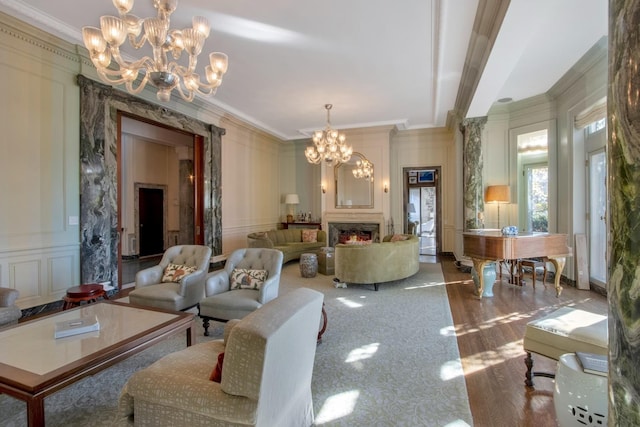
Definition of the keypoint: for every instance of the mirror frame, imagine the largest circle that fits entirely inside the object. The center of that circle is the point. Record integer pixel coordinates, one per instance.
(336, 170)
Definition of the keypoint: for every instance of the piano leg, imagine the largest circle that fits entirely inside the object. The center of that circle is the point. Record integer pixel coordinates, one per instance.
(479, 264)
(558, 264)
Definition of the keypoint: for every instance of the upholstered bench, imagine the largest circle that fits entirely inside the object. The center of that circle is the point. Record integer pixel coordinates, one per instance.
(566, 330)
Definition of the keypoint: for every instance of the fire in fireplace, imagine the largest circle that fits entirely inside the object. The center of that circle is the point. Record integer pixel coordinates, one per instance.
(341, 232)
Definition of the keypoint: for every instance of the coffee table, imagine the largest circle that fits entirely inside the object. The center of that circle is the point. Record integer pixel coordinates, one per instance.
(33, 364)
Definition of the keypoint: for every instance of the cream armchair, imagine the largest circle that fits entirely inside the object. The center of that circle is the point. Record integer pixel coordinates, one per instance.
(223, 303)
(156, 288)
(265, 375)
(9, 311)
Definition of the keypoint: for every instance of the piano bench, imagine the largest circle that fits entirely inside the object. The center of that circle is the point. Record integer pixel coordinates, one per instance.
(533, 264)
(565, 330)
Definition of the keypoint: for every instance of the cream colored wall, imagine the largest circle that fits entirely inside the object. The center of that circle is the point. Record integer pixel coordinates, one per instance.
(251, 194)
(426, 148)
(39, 167)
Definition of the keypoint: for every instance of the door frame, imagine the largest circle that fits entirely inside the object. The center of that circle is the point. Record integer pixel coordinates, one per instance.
(198, 171)
(405, 200)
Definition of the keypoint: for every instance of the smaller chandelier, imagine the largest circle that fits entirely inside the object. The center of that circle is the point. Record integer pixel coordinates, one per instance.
(104, 49)
(328, 145)
(363, 170)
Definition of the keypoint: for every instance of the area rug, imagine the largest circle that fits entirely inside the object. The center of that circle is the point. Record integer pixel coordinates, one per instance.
(387, 358)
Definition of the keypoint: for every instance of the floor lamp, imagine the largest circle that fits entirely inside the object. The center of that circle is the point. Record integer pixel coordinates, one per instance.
(497, 194)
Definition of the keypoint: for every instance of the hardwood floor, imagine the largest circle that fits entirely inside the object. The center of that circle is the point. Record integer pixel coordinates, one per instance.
(490, 333)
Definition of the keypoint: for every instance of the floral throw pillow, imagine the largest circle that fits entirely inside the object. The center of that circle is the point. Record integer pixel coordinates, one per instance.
(242, 278)
(309, 236)
(398, 238)
(177, 272)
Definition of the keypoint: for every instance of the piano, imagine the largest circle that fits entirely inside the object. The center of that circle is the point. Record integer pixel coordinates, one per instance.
(493, 246)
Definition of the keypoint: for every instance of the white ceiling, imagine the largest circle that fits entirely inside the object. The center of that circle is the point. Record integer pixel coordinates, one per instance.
(378, 62)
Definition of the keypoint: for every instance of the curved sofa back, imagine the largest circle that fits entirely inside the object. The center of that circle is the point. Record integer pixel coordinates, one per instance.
(377, 262)
(273, 238)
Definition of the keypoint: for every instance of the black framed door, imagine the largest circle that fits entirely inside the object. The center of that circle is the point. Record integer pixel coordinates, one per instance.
(151, 208)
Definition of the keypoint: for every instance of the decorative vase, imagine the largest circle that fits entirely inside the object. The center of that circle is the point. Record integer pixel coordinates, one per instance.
(488, 276)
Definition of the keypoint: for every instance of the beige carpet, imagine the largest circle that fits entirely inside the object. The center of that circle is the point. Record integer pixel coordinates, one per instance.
(388, 358)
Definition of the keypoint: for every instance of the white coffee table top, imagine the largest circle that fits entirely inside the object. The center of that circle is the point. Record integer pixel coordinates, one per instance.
(31, 346)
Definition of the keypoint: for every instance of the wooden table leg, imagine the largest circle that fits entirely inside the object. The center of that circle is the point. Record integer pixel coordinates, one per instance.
(558, 264)
(35, 411)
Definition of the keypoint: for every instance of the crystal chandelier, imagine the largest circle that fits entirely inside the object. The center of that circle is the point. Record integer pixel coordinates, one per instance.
(328, 145)
(363, 169)
(104, 49)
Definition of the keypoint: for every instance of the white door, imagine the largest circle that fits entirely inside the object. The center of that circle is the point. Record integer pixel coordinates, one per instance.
(597, 172)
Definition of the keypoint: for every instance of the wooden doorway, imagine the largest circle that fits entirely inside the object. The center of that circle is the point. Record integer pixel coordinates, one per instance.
(160, 188)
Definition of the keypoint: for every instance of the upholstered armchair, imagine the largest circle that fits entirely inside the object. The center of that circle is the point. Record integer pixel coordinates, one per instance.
(177, 283)
(251, 278)
(9, 311)
(263, 377)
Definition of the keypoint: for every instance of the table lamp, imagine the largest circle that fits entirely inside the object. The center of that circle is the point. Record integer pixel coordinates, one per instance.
(290, 200)
(497, 194)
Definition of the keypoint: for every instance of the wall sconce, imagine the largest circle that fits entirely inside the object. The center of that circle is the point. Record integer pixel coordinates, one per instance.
(386, 187)
(323, 188)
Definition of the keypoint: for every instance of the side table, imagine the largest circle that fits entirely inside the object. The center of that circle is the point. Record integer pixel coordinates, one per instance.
(88, 293)
(308, 265)
(326, 261)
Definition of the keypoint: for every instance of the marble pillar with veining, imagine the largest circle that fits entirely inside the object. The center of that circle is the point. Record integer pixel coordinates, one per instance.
(623, 153)
(472, 173)
(100, 106)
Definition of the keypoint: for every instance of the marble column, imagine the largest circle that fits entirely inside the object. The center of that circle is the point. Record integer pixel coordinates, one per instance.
(472, 172)
(100, 106)
(623, 153)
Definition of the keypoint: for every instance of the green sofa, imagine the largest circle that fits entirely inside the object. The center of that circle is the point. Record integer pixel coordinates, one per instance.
(377, 262)
(288, 241)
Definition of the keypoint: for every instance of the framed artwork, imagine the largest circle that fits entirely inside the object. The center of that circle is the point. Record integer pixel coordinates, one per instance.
(426, 176)
(413, 173)
(413, 179)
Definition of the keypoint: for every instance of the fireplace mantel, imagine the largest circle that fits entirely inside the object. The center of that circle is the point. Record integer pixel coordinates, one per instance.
(355, 217)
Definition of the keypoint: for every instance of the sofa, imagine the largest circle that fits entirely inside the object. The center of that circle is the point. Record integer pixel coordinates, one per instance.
(289, 242)
(395, 258)
(264, 377)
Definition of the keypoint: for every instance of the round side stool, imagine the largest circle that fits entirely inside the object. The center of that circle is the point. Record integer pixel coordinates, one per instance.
(88, 293)
(308, 265)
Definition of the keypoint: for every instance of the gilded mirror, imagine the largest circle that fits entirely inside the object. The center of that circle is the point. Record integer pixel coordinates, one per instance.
(354, 192)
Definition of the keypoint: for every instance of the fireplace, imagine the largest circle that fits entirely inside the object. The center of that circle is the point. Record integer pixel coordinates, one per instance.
(341, 232)
(353, 226)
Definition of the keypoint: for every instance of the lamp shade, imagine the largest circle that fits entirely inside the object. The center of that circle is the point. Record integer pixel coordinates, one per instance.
(497, 194)
(292, 199)
(412, 208)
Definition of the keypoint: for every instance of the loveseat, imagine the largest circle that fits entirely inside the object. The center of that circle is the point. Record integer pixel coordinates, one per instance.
(289, 241)
(394, 258)
(264, 378)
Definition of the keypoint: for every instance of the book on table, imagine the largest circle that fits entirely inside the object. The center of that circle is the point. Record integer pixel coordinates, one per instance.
(593, 363)
(76, 326)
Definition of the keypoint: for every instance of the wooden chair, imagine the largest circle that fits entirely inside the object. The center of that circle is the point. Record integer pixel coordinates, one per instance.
(534, 264)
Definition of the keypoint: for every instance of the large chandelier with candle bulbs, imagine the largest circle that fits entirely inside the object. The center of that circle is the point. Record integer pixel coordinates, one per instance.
(104, 49)
(328, 145)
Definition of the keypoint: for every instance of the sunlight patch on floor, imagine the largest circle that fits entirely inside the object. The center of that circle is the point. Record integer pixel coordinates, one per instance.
(424, 285)
(337, 406)
(356, 356)
(451, 369)
(349, 303)
(477, 362)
